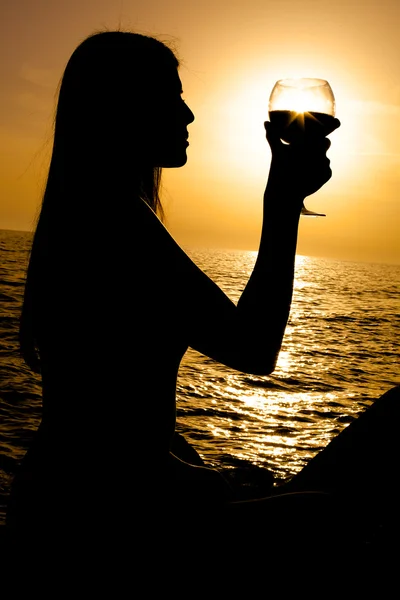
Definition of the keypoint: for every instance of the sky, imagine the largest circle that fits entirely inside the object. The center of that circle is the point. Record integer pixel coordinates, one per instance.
(231, 53)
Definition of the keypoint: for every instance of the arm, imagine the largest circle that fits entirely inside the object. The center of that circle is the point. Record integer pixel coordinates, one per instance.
(246, 337)
(254, 335)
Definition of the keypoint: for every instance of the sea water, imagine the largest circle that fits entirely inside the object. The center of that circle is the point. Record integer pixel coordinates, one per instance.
(340, 351)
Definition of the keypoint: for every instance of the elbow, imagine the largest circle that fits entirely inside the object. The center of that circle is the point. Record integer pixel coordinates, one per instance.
(262, 354)
(269, 369)
(263, 370)
(261, 365)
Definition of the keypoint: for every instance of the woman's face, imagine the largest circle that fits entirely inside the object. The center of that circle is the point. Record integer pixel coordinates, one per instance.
(169, 135)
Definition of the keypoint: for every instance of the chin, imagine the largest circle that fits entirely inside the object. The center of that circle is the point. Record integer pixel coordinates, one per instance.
(174, 162)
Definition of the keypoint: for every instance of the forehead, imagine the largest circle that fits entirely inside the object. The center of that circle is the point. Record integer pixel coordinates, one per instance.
(170, 80)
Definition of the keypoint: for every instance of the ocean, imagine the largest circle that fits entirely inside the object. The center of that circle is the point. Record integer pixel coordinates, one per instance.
(340, 351)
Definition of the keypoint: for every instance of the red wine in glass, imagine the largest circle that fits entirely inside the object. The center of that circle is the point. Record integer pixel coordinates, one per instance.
(300, 107)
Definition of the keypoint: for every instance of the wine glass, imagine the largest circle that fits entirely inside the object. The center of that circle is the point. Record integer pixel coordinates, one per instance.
(302, 106)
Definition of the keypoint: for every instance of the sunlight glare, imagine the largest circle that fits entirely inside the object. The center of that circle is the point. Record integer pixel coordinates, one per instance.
(243, 120)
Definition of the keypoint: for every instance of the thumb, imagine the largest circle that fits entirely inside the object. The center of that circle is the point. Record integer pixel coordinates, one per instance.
(273, 136)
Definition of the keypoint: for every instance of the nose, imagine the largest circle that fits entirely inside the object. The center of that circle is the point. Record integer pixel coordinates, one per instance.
(189, 116)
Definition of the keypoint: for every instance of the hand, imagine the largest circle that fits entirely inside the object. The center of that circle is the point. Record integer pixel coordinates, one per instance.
(301, 167)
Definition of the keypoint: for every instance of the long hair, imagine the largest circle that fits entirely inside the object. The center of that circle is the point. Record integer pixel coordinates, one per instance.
(106, 103)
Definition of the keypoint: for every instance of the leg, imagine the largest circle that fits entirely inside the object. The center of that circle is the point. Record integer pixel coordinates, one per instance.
(360, 465)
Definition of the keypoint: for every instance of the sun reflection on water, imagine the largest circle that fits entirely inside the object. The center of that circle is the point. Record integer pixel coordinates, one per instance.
(329, 367)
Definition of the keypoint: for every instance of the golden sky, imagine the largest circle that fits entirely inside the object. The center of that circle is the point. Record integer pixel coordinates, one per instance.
(232, 52)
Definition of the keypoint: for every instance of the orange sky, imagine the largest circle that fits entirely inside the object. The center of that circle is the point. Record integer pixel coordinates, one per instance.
(232, 51)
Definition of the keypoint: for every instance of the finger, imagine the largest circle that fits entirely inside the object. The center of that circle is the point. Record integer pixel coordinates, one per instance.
(273, 136)
(313, 144)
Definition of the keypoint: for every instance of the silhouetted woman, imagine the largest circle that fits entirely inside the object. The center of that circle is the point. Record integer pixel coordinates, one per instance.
(112, 302)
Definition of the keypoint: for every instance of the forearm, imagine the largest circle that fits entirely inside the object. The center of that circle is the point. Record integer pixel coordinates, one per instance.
(265, 303)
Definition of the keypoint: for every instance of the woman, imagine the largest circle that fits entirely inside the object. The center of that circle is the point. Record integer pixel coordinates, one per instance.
(112, 302)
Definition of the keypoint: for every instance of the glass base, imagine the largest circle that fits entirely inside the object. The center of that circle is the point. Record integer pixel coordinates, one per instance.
(310, 213)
